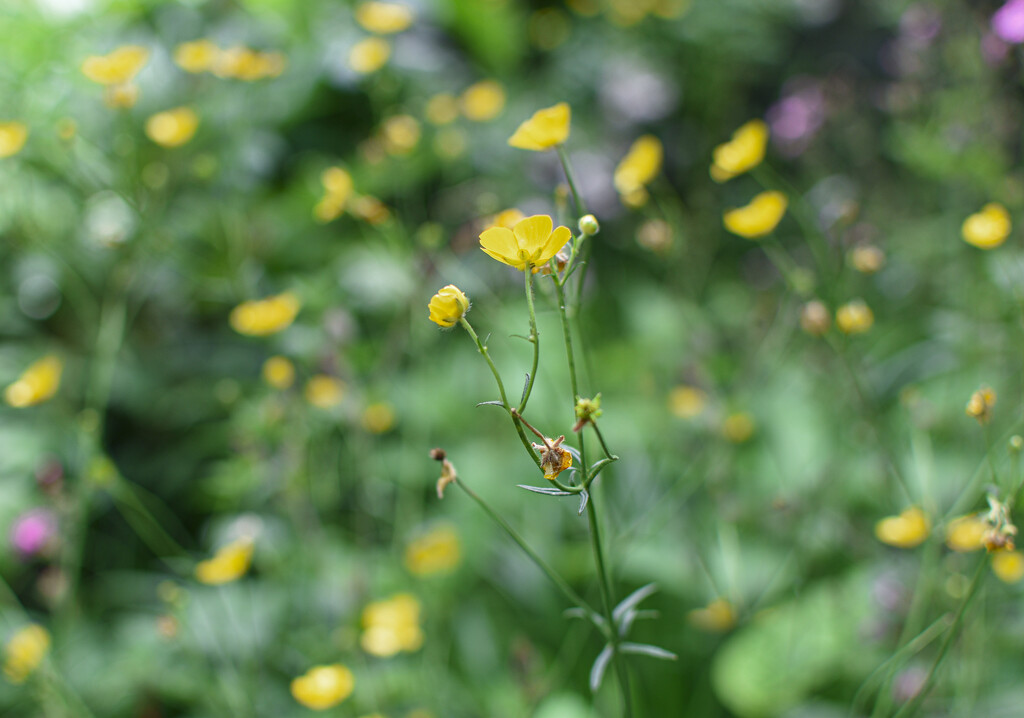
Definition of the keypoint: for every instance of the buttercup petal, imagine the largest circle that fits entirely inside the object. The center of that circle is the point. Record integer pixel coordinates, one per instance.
(556, 241)
(499, 242)
(532, 233)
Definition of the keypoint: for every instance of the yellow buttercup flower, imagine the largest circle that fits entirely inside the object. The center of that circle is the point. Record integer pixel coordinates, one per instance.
(172, 128)
(855, 317)
(323, 687)
(36, 384)
(24, 651)
(117, 67)
(717, 617)
(279, 372)
(383, 18)
(196, 56)
(686, 402)
(640, 165)
(545, 129)
(743, 152)
(448, 306)
(391, 626)
(988, 228)
(437, 551)
(324, 391)
(230, 563)
(483, 101)
(759, 217)
(12, 138)
(369, 55)
(980, 404)
(1008, 566)
(442, 109)
(401, 134)
(907, 530)
(262, 317)
(378, 418)
(242, 63)
(967, 533)
(528, 245)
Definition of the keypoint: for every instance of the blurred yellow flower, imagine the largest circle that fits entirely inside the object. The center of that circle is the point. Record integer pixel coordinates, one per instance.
(528, 245)
(323, 687)
(278, 372)
(483, 101)
(262, 317)
(507, 218)
(370, 209)
(988, 228)
(12, 138)
(1008, 566)
(242, 63)
(324, 391)
(172, 128)
(437, 551)
(815, 318)
(855, 317)
(196, 56)
(36, 384)
(121, 97)
(378, 418)
(687, 402)
(866, 258)
(391, 626)
(743, 152)
(907, 530)
(24, 651)
(442, 109)
(369, 55)
(717, 617)
(401, 134)
(980, 404)
(383, 18)
(117, 67)
(738, 427)
(967, 533)
(448, 306)
(230, 563)
(545, 129)
(759, 217)
(640, 165)
(338, 188)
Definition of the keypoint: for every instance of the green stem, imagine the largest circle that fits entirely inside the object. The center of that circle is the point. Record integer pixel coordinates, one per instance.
(534, 337)
(563, 157)
(600, 438)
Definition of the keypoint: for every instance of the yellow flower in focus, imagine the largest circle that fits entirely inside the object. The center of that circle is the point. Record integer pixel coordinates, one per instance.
(530, 244)
(967, 533)
(907, 530)
(738, 427)
(230, 563)
(448, 306)
(118, 67)
(12, 138)
(401, 134)
(687, 402)
(378, 418)
(172, 128)
(866, 259)
(25, 650)
(743, 152)
(759, 217)
(196, 56)
(980, 404)
(855, 317)
(121, 97)
(717, 617)
(640, 165)
(369, 55)
(324, 391)
(545, 129)
(36, 384)
(383, 18)
(988, 228)
(483, 101)
(437, 551)
(442, 109)
(262, 317)
(1008, 566)
(391, 626)
(323, 687)
(279, 372)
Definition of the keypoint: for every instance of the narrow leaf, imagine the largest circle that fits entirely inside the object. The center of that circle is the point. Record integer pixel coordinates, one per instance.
(583, 502)
(627, 620)
(633, 599)
(645, 649)
(597, 670)
(492, 403)
(544, 490)
(525, 385)
(577, 612)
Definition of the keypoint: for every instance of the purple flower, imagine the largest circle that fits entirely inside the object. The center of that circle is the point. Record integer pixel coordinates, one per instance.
(32, 531)
(1008, 22)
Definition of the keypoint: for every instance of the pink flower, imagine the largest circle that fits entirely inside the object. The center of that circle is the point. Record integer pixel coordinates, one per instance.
(1008, 22)
(32, 531)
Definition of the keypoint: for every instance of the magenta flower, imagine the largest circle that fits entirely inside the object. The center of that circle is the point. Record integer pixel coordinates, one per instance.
(1008, 22)
(32, 531)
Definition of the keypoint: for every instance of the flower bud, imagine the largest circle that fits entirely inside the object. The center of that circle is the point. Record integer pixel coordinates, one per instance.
(589, 225)
(448, 306)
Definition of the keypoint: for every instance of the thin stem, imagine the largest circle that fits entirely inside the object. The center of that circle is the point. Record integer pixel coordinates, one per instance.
(567, 336)
(534, 337)
(577, 200)
(600, 438)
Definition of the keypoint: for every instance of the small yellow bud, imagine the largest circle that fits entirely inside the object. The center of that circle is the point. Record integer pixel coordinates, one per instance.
(980, 405)
(589, 225)
(854, 317)
(988, 228)
(866, 259)
(1008, 566)
(448, 306)
(907, 530)
(279, 372)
